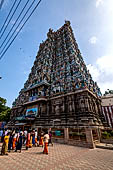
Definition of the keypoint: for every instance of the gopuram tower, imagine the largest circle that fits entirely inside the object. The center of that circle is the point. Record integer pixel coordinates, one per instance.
(59, 92)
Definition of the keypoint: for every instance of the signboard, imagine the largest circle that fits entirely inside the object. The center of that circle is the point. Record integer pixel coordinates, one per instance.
(32, 111)
(20, 118)
(57, 133)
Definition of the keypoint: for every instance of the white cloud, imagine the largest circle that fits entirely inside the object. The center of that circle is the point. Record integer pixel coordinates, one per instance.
(93, 40)
(105, 63)
(94, 71)
(99, 2)
(102, 72)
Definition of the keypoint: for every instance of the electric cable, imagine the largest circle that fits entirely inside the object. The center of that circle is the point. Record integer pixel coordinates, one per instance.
(20, 29)
(10, 19)
(8, 16)
(15, 23)
(17, 27)
(1, 4)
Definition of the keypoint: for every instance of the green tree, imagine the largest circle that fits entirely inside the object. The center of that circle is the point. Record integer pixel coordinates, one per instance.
(4, 110)
(108, 92)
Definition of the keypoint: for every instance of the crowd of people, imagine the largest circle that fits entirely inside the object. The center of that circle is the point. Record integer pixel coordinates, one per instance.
(15, 139)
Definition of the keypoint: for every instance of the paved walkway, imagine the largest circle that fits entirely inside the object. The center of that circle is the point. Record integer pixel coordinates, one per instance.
(61, 157)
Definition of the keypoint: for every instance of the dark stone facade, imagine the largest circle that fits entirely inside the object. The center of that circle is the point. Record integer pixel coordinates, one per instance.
(76, 109)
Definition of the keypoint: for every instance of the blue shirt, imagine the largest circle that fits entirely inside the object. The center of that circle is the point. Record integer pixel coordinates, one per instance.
(1, 132)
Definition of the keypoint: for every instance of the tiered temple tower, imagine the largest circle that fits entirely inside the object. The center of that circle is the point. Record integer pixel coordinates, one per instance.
(59, 91)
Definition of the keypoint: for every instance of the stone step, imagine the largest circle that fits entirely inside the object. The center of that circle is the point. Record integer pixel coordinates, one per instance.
(104, 146)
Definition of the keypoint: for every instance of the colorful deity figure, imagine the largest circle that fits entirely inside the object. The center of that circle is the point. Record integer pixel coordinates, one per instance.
(77, 86)
(82, 84)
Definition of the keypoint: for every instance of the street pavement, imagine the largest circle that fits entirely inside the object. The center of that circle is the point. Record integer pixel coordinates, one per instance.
(60, 157)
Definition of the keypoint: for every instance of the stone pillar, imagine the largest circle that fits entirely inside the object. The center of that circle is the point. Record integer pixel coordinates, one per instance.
(66, 134)
(99, 134)
(89, 138)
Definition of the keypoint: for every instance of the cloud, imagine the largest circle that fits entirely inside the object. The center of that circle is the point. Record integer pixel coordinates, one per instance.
(105, 63)
(102, 72)
(98, 3)
(94, 71)
(93, 40)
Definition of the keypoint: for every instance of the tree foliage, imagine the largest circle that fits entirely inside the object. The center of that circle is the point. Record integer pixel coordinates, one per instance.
(108, 92)
(4, 110)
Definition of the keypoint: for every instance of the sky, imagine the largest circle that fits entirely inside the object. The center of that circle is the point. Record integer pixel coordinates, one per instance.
(92, 24)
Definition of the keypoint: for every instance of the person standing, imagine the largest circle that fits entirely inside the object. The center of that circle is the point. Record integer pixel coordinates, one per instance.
(41, 142)
(1, 133)
(46, 138)
(10, 142)
(28, 140)
(36, 134)
(50, 139)
(6, 131)
(33, 137)
(5, 145)
(25, 137)
(19, 143)
(14, 140)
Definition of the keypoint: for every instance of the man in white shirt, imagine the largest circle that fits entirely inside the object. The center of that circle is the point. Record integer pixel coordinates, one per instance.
(25, 136)
(36, 134)
(46, 138)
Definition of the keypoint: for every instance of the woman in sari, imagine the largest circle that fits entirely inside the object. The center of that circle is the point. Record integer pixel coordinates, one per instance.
(5, 144)
(46, 138)
(19, 143)
(10, 142)
(28, 140)
(30, 144)
(41, 142)
(33, 137)
(14, 141)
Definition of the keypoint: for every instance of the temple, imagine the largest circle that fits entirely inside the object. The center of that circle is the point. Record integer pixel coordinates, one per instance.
(59, 92)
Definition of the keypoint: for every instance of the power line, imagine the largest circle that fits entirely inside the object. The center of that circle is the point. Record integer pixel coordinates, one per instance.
(1, 3)
(8, 15)
(17, 26)
(10, 18)
(15, 23)
(20, 28)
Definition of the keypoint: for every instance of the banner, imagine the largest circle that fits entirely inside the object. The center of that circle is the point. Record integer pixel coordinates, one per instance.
(32, 111)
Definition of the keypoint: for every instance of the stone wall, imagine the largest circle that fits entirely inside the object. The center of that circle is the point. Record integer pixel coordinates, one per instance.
(73, 142)
(109, 141)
